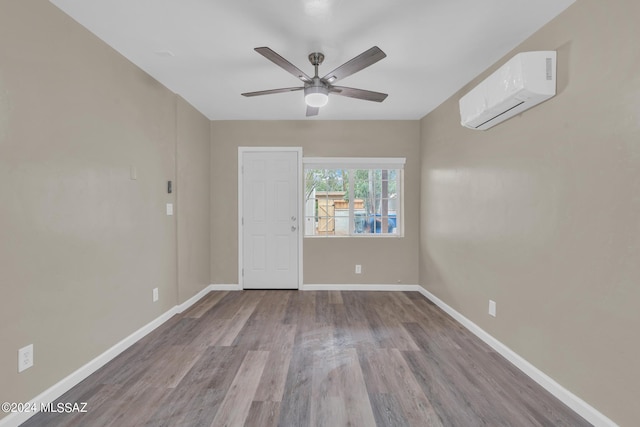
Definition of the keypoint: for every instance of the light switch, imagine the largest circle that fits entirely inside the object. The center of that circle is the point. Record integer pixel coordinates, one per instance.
(492, 308)
(169, 208)
(133, 173)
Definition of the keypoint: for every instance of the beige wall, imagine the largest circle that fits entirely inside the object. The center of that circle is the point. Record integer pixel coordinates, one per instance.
(326, 261)
(542, 212)
(193, 193)
(81, 244)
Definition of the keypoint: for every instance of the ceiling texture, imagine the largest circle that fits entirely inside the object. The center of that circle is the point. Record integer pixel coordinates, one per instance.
(203, 49)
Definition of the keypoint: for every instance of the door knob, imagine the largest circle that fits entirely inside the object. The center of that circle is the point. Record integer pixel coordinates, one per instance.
(293, 228)
(293, 218)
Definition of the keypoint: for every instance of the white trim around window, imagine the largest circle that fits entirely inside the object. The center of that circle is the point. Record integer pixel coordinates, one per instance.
(354, 162)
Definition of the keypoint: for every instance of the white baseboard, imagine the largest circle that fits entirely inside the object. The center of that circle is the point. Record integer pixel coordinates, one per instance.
(225, 287)
(578, 405)
(360, 287)
(64, 385)
(331, 287)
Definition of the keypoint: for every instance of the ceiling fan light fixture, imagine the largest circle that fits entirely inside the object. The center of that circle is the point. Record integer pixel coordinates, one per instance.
(316, 96)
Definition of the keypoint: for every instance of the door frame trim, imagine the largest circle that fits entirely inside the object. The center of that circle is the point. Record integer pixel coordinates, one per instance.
(241, 151)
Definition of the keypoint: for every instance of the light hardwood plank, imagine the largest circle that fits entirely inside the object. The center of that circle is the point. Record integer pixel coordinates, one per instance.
(235, 406)
(389, 373)
(272, 383)
(271, 309)
(389, 333)
(204, 305)
(263, 414)
(170, 369)
(339, 393)
(296, 403)
(335, 297)
(387, 410)
(213, 333)
(237, 322)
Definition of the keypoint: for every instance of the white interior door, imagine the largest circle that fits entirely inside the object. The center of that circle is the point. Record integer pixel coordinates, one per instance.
(270, 232)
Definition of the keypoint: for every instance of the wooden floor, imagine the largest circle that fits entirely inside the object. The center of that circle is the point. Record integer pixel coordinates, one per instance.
(289, 358)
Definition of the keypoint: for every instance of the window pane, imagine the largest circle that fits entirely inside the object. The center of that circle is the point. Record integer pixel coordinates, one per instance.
(325, 203)
(373, 210)
(378, 190)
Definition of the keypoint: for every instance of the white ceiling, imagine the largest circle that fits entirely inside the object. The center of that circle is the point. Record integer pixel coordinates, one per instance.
(203, 49)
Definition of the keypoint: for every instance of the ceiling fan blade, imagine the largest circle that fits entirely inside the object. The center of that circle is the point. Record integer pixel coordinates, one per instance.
(358, 63)
(312, 111)
(270, 91)
(283, 63)
(367, 95)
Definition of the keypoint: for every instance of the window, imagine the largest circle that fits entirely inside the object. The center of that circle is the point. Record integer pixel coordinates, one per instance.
(353, 196)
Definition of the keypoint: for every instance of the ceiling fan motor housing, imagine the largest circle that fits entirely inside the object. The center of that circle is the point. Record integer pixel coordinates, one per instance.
(316, 93)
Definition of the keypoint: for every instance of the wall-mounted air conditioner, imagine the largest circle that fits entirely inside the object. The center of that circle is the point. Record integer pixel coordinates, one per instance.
(524, 81)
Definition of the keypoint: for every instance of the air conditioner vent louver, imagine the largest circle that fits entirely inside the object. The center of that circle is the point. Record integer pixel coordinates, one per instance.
(526, 80)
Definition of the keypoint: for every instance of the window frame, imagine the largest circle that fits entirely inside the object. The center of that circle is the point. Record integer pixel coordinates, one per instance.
(359, 163)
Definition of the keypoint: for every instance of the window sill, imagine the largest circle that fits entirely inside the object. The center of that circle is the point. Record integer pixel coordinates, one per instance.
(358, 236)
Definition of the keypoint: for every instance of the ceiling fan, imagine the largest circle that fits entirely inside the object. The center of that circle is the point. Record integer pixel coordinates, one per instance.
(317, 89)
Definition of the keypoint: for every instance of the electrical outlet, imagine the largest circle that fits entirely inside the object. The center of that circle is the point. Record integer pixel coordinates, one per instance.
(358, 269)
(155, 294)
(492, 308)
(25, 358)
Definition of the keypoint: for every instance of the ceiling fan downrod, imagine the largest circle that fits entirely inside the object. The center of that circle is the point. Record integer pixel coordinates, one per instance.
(316, 59)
